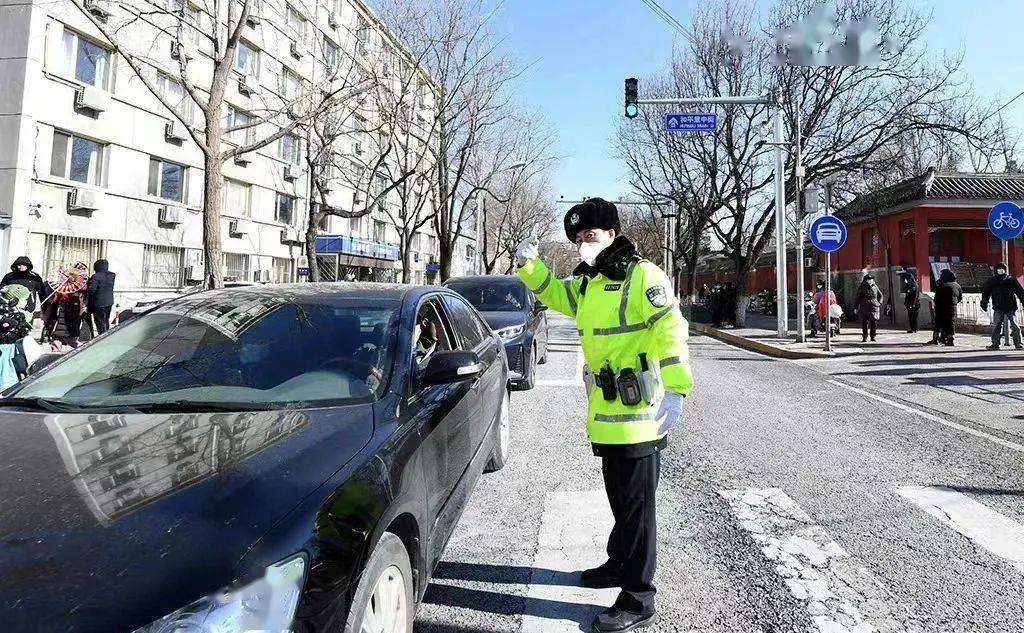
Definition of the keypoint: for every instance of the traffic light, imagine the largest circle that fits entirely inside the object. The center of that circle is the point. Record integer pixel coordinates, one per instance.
(632, 94)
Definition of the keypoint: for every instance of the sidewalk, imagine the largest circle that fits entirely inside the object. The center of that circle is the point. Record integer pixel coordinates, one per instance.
(760, 335)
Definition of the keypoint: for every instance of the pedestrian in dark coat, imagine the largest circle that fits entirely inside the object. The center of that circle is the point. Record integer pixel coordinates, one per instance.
(912, 301)
(101, 295)
(869, 306)
(729, 300)
(1004, 291)
(22, 274)
(947, 295)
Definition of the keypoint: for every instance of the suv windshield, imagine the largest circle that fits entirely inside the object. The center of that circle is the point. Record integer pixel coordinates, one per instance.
(493, 297)
(230, 347)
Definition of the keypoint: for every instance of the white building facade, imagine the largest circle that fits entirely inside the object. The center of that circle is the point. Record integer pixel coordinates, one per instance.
(93, 166)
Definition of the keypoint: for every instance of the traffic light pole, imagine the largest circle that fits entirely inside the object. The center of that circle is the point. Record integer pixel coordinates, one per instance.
(780, 190)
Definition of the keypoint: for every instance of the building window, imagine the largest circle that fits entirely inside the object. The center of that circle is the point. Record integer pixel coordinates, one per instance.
(237, 118)
(163, 266)
(331, 53)
(297, 23)
(285, 209)
(86, 61)
(432, 244)
(236, 267)
(356, 226)
(362, 35)
(237, 198)
(289, 148)
(283, 270)
(60, 251)
(77, 158)
(174, 94)
(379, 231)
(167, 180)
(247, 60)
(290, 83)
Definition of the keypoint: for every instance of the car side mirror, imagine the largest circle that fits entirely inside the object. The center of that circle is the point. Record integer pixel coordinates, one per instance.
(538, 306)
(451, 366)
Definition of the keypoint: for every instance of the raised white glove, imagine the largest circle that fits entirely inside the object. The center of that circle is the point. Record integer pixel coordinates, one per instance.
(528, 249)
(670, 411)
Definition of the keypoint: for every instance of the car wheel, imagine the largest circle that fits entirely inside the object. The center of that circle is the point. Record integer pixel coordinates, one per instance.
(383, 602)
(530, 379)
(502, 438)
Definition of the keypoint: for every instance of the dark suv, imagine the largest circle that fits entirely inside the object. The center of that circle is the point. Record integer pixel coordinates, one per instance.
(515, 314)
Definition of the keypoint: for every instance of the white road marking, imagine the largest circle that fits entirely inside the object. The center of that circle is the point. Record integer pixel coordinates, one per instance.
(989, 529)
(575, 381)
(841, 596)
(934, 418)
(573, 534)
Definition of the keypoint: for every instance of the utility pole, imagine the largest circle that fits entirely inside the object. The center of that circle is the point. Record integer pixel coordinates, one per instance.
(801, 325)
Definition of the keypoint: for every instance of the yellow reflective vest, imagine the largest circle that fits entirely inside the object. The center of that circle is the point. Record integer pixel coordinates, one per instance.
(617, 321)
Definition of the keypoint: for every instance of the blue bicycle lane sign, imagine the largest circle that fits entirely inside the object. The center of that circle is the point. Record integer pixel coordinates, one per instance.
(1006, 221)
(828, 234)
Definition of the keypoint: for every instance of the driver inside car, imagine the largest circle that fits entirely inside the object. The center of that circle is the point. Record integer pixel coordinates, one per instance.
(426, 339)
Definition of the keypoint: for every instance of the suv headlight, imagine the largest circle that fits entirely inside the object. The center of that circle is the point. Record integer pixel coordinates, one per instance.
(510, 332)
(266, 604)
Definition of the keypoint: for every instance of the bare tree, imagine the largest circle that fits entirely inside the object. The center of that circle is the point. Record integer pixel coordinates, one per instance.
(214, 71)
(528, 211)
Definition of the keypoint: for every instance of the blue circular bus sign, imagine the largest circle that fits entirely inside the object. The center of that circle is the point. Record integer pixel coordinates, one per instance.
(1006, 221)
(828, 234)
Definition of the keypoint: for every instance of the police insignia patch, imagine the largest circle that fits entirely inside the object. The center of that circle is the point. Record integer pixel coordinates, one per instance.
(657, 296)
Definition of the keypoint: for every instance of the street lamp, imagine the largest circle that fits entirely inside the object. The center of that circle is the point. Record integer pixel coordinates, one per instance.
(481, 220)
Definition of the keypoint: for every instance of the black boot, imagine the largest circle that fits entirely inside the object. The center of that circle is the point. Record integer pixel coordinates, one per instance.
(616, 620)
(604, 577)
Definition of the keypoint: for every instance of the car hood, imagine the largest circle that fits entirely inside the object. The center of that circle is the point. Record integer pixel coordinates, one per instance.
(111, 521)
(498, 320)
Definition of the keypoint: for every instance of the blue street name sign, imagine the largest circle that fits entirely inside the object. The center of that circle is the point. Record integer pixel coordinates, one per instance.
(694, 122)
(828, 234)
(1006, 221)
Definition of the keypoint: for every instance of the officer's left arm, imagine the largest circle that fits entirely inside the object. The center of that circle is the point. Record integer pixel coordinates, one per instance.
(667, 329)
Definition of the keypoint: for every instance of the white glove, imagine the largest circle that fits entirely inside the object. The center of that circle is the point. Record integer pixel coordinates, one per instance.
(670, 411)
(528, 249)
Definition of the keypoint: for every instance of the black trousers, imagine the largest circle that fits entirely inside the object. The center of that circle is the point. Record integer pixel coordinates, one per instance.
(944, 328)
(912, 318)
(868, 323)
(101, 317)
(631, 484)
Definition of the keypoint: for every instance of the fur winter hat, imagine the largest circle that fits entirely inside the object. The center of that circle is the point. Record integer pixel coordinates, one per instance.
(595, 213)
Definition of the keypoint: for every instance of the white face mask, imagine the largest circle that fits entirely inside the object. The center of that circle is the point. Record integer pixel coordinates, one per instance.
(590, 250)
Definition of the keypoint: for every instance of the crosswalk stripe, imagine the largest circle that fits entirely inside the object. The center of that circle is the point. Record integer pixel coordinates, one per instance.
(573, 534)
(840, 595)
(989, 529)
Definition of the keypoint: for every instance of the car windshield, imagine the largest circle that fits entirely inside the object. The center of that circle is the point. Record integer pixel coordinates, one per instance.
(493, 297)
(231, 347)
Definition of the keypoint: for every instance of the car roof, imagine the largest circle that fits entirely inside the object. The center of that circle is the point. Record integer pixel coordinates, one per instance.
(346, 289)
(484, 279)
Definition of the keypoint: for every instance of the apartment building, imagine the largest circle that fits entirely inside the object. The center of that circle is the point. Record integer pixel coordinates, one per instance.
(93, 165)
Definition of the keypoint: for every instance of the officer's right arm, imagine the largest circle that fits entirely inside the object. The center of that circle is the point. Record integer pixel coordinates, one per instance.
(558, 294)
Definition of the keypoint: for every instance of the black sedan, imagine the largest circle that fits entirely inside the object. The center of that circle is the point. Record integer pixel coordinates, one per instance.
(515, 314)
(289, 457)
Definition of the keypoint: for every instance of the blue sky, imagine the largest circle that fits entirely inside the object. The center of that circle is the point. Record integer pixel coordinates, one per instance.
(580, 51)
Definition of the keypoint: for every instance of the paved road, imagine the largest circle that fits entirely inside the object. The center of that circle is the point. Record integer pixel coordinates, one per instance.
(791, 500)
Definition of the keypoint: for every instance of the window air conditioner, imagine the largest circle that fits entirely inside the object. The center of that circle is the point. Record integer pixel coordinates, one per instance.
(291, 172)
(239, 227)
(99, 8)
(245, 87)
(242, 160)
(252, 19)
(359, 149)
(85, 199)
(298, 50)
(170, 214)
(290, 235)
(175, 131)
(182, 49)
(332, 20)
(89, 98)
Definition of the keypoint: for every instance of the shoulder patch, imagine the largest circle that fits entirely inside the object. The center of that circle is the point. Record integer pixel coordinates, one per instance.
(657, 296)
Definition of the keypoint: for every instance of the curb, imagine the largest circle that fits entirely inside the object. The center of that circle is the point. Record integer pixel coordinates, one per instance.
(757, 346)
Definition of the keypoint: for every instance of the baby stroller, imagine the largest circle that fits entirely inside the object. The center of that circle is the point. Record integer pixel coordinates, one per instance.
(835, 320)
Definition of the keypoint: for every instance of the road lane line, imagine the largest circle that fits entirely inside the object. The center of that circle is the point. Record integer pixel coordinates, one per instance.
(987, 528)
(840, 595)
(573, 533)
(934, 418)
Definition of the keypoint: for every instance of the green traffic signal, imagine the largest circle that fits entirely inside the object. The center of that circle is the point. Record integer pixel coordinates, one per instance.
(632, 95)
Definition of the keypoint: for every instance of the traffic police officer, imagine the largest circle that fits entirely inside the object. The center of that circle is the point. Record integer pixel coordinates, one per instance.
(637, 374)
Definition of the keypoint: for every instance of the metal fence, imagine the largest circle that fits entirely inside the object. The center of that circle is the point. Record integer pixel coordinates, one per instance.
(62, 250)
(163, 266)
